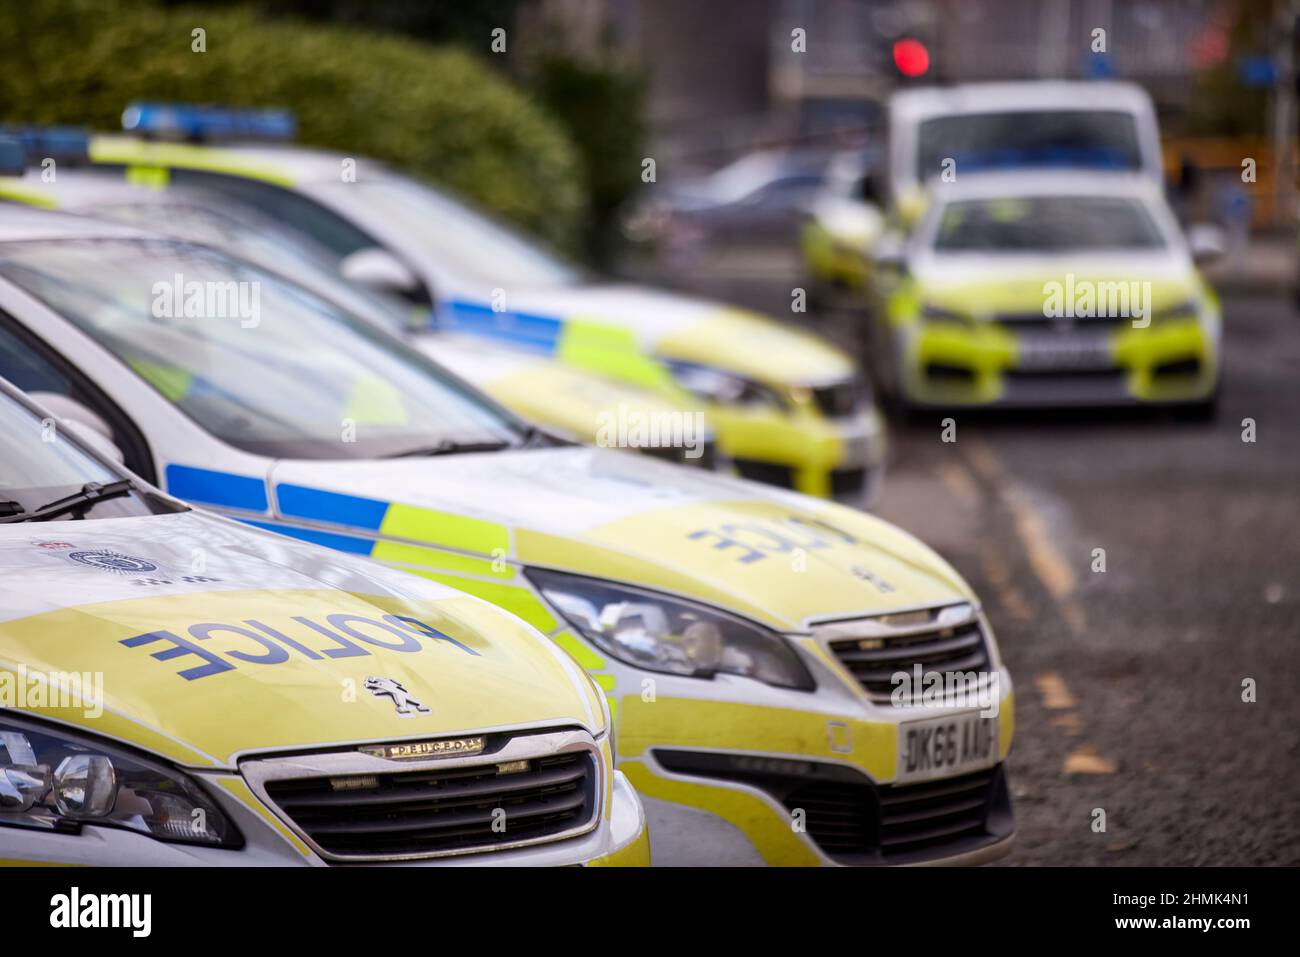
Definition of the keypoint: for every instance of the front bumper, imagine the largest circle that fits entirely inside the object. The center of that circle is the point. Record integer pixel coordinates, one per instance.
(722, 766)
(841, 458)
(946, 366)
(620, 839)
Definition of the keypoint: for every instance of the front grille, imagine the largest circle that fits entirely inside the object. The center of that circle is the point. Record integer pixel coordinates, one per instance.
(853, 821)
(892, 821)
(1064, 387)
(1036, 320)
(914, 817)
(837, 401)
(441, 810)
(945, 640)
(769, 473)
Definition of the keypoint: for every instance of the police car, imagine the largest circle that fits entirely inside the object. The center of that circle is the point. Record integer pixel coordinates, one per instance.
(562, 397)
(788, 408)
(1047, 288)
(770, 659)
(844, 220)
(177, 688)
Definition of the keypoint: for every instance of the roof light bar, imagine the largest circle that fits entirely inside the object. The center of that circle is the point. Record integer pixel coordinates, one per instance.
(63, 144)
(206, 123)
(13, 156)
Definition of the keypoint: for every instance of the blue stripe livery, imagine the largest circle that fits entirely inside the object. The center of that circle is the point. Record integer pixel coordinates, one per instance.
(342, 543)
(217, 488)
(528, 330)
(298, 501)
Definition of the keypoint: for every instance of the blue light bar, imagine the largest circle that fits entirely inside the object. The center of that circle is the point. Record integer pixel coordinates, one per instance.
(13, 156)
(63, 144)
(205, 123)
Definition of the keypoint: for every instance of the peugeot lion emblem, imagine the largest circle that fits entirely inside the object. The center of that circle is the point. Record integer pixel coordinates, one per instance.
(386, 687)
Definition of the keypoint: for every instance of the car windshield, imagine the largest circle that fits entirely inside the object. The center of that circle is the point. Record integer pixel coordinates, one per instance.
(233, 227)
(1092, 139)
(1046, 224)
(465, 241)
(260, 363)
(37, 468)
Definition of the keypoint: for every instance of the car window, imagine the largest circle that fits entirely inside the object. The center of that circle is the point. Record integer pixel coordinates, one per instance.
(285, 206)
(213, 220)
(1046, 224)
(461, 238)
(1098, 139)
(32, 368)
(257, 361)
(38, 467)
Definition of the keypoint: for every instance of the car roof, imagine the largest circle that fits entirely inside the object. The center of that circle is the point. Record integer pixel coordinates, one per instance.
(1013, 183)
(74, 188)
(291, 162)
(922, 102)
(20, 223)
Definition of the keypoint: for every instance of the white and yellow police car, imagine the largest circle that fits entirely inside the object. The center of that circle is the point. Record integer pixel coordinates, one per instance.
(1049, 289)
(561, 397)
(792, 681)
(788, 408)
(177, 688)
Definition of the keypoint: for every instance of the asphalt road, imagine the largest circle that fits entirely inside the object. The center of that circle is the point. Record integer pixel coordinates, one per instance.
(1129, 681)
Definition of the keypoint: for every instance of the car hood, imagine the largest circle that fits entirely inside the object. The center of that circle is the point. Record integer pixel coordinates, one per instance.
(669, 325)
(583, 404)
(988, 284)
(211, 640)
(778, 557)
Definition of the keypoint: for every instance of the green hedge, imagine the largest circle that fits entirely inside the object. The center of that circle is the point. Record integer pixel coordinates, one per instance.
(437, 112)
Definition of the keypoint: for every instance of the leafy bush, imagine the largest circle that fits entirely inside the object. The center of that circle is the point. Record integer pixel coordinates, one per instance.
(438, 112)
(601, 108)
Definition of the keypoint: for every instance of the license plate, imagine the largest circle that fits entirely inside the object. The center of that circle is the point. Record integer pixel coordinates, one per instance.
(1064, 352)
(946, 746)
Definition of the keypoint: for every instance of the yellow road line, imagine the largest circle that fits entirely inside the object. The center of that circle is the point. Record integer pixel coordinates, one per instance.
(998, 572)
(960, 483)
(1045, 559)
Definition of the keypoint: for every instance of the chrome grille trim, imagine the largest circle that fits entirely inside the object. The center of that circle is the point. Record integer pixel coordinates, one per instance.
(523, 746)
(953, 638)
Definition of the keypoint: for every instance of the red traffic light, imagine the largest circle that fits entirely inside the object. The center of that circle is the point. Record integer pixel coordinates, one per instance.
(911, 57)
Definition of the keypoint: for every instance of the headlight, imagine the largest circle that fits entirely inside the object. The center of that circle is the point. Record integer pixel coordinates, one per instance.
(56, 780)
(931, 313)
(659, 633)
(726, 388)
(1183, 311)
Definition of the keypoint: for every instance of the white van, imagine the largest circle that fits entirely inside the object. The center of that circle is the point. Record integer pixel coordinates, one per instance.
(1098, 125)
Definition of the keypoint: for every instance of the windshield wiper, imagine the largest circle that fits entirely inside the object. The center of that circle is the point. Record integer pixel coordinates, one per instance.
(453, 447)
(530, 437)
(91, 493)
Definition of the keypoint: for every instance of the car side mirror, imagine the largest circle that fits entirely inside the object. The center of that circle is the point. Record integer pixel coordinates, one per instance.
(85, 424)
(1205, 242)
(380, 270)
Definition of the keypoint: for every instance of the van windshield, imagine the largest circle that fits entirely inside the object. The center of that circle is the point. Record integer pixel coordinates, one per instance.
(1072, 139)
